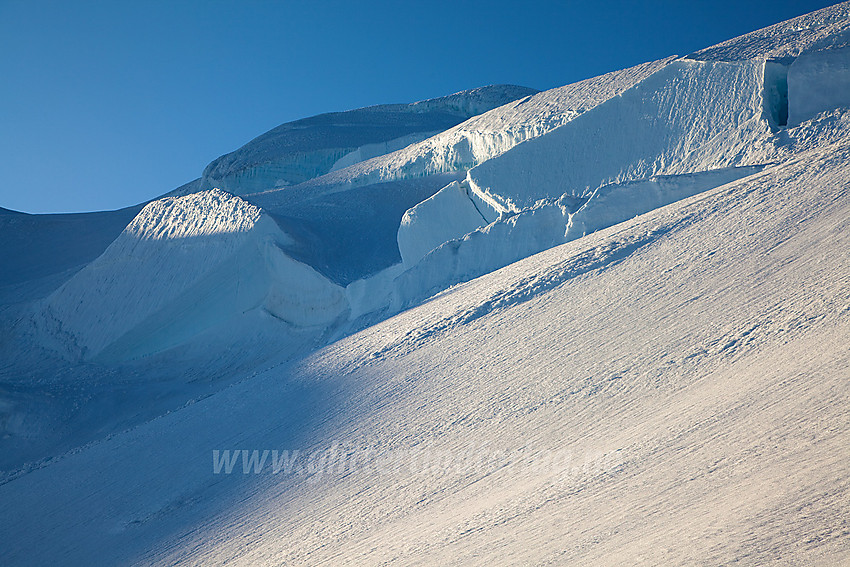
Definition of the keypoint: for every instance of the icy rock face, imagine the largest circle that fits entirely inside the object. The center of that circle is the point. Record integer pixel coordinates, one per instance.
(298, 151)
(183, 265)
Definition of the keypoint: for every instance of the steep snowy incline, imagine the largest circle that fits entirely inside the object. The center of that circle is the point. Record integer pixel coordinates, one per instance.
(690, 124)
(183, 265)
(672, 390)
(828, 28)
(297, 151)
(687, 128)
(808, 63)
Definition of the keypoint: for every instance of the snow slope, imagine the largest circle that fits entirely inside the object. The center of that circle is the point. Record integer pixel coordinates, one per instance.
(672, 390)
(647, 361)
(828, 28)
(492, 133)
(695, 122)
(377, 192)
(688, 117)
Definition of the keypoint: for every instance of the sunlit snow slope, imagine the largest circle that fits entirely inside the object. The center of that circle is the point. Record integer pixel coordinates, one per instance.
(601, 324)
(689, 367)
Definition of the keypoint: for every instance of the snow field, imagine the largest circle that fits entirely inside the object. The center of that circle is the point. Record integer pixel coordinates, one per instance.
(704, 344)
(644, 274)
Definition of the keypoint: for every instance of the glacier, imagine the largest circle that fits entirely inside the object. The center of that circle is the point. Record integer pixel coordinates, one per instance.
(643, 274)
(298, 151)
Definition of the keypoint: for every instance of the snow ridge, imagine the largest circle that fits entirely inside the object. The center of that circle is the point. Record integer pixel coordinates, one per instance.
(828, 28)
(492, 133)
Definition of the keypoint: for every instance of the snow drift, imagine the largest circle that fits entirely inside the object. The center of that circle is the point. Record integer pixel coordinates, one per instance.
(185, 264)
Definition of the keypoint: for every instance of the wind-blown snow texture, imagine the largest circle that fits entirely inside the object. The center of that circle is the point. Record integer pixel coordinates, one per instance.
(647, 361)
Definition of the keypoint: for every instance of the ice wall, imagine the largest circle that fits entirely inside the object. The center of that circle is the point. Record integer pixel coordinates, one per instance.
(818, 81)
(435, 220)
(775, 93)
(690, 116)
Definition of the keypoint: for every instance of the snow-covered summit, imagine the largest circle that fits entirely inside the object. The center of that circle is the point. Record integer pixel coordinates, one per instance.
(297, 151)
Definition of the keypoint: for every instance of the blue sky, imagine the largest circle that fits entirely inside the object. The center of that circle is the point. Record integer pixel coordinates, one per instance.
(104, 104)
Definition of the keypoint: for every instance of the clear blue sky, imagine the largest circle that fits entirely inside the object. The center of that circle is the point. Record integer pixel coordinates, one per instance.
(104, 104)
